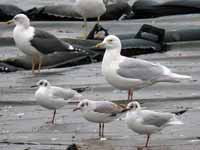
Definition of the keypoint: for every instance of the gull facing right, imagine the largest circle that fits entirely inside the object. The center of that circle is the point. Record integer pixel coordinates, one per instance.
(130, 73)
(148, 121)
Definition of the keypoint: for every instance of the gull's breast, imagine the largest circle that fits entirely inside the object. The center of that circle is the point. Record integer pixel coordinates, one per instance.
(109, 71)
(97, 117)
(22, 40)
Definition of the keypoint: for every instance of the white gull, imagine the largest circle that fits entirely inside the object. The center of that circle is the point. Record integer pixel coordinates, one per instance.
(130, 73)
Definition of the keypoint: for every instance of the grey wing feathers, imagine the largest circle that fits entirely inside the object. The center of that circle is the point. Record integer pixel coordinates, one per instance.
(107, 107)
(63, 93)
(157, 119)
(47, 43)
(140, 69)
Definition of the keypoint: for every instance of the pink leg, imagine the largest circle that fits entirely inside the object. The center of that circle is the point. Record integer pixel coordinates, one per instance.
(130, 95)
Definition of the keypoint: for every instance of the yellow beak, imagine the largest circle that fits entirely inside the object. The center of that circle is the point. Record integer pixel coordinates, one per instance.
(10, 21)
(100, 45)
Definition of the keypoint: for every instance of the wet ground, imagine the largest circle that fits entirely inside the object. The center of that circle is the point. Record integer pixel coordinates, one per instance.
(22, 122)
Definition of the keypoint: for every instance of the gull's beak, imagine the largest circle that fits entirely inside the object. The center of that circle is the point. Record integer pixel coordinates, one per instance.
(100, 45)
(125, 110)
(33, 86)
(10, 21)
(77, 108)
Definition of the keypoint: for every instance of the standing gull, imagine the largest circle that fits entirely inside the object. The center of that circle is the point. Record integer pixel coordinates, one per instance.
(100, 112)
(148, 122)
(52, 97)
(34, 42)
(90, 9)
(130, 73)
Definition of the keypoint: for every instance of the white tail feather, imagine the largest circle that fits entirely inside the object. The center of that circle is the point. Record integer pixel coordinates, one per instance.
(175, 121)
(173, 77)
(179, 76)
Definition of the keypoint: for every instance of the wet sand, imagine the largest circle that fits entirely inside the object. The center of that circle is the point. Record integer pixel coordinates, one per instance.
(22, 122)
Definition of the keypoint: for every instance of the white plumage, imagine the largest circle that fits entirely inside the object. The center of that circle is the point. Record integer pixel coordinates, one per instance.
(129, 73)
(90, 9)
(147, 121)
(34, 42)
(52, 97)
(99, 112)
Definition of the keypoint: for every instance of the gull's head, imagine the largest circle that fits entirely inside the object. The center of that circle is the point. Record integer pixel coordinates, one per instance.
(83, 105)
(132, 106)
(111, 42)
(20, 19)
(42, 83)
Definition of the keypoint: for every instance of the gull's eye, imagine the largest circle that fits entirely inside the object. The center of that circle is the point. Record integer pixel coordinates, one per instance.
(41, 83)
(136, 106)
(86, 104)
(45, 84)
(110, 40)
(82, 105)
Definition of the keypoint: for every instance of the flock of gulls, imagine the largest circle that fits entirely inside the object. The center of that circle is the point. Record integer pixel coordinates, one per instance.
(121, 72)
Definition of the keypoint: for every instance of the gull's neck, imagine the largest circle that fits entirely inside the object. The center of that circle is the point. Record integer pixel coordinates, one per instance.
(133, 113)
(112, 54)
(22, 27)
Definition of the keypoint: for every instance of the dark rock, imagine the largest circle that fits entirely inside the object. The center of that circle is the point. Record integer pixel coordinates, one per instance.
(116, 11)
(68, 13)
(86, 52)
(153, 8)
(7, 68)
(7, 12)
(73, 147)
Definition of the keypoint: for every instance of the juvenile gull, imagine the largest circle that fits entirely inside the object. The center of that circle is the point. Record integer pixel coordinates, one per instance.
(130, 73)
(35, 42)
(90, 9)
(52, 97)
(148, 122)
(100, 112)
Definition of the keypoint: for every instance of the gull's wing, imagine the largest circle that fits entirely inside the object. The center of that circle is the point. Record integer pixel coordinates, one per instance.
(47, 43)
(66, 94)
(141, 69)
(155, 118)
(107, 107)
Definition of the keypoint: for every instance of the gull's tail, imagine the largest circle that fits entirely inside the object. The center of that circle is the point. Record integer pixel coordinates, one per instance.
(77, 97)
(180, 112)
(173, 77)
(180, 77)
(175, 121)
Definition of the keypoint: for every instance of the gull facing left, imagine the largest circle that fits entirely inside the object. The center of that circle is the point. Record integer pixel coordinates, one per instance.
(35, 42)
(53, 97)
(131, 74)
(148, 122)
(100, 112)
